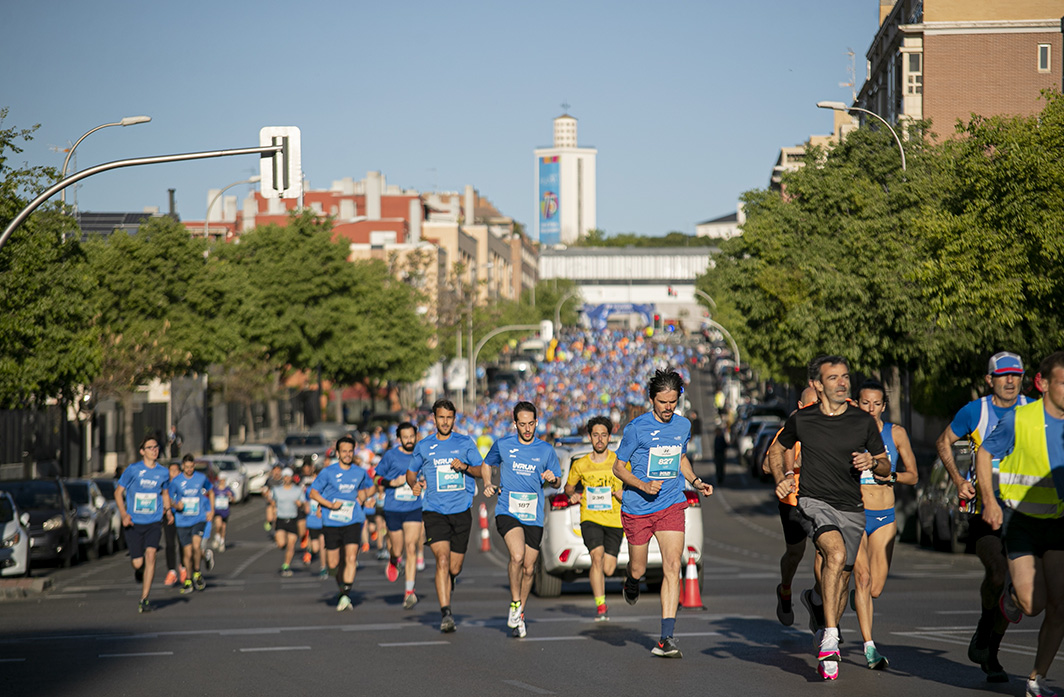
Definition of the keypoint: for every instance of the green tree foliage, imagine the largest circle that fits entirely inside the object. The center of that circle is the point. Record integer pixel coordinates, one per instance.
(46, 344)
(599, 238)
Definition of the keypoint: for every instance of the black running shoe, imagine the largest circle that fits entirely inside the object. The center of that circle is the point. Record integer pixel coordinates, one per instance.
(994, 670)
(447, 624)
(667, 649)
(630, 591)
(979, 648)
(145, 606)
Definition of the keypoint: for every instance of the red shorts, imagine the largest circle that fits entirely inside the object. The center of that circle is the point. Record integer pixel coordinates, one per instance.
(640, 528)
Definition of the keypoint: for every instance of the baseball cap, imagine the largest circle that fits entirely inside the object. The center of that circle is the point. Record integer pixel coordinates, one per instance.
(1005, 363)
(287, 472)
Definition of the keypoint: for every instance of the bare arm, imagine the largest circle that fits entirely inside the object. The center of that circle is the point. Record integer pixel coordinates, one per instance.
(784, 482)
(689, 474)
(944, 446)
(984, 474)
(621, 471)
(905, 453)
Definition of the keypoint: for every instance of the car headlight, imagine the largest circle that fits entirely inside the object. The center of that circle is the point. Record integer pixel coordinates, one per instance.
(53, 523)
(11, 541)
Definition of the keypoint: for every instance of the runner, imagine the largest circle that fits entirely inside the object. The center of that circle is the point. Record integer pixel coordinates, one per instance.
(193, 501)
(653, 502)
(314, 524)
(445, 465)
(976, 420)
(175, 572)
(142, 500)
(223, 496)
(342, 488)
(1030, 444)
(877, 493)
(402, 511)
(600, 508)
(525, 464)
(838, 440)
(271, 511)
(288, 501)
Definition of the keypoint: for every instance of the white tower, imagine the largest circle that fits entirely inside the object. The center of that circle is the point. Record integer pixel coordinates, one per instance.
(564, 186)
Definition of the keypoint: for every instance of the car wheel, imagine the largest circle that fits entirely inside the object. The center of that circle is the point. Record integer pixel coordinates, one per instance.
(68, 561)
(545, 585)
(955, 545)
(109, 544)
(92, 551)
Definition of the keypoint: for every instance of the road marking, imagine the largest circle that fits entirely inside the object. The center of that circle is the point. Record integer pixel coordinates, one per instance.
(259, 649)
(693, 634)
(136, 655)
(555, 638)
(525, 686)
(415, 643)
(958, 612)
(251, 560)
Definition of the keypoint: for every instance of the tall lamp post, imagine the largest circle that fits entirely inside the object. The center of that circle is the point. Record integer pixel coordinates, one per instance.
(476, 352)
(703, 294)
(839, 106)
(127, 121)
(207, 217)
(558, 308)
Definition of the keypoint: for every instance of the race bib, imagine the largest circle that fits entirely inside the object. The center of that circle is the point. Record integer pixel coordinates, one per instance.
(221, 503)
(405, 493)
(664, 462)
(599, 498)
(314, 506)
(449, 480)
(190, 505)
(523, 505)
(344, 514)
(145, 503)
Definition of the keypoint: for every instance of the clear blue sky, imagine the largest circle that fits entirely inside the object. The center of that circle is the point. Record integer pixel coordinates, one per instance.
(688, 103)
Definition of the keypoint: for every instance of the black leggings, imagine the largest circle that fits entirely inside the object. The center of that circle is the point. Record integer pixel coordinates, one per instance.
(173, 549)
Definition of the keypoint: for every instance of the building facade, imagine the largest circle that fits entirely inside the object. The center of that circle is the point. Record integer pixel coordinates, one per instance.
(565, 187)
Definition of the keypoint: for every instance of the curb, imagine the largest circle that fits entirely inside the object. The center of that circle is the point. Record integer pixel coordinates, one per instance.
(17, 588)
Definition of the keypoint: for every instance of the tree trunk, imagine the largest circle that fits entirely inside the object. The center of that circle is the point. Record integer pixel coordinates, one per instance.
(130, 446)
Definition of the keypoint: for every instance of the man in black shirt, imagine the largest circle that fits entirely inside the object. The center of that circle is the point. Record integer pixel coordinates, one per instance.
(839, 441)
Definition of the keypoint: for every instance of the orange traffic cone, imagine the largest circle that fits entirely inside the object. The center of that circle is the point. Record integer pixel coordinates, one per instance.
(485, 534)
(691, 597)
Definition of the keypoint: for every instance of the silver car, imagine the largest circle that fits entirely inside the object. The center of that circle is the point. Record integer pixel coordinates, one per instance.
(14, 538)
(258, 459)
(563, 556)
(235, 473)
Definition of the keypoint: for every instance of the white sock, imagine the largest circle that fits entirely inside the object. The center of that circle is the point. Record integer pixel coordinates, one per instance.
(831, 633)
(409, 586)
(869, 644)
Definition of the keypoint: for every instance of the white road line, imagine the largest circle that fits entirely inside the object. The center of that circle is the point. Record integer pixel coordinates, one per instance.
(691, 634)
(251, 560)
(958, 612)
(259, 649)
(414, 643)
(136, 655)
(525, 686)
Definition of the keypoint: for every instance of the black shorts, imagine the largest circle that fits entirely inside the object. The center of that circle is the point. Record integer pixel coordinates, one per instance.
(978, 529)
(140, 537)
(337, 537)
(186, 533)
(533, 533)
(450, 527)
(1026, 535)
(596, 535)
(796, 527)
(315, 533)
(288, 525)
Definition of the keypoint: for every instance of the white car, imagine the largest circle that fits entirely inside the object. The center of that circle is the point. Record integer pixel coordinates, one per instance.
(14, 538)
(235, 473)
(563, 556)
(257, 459)
(751, 430)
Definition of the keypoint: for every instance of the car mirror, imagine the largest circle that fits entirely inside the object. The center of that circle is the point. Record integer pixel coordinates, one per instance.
(24, 519)
(99, 501)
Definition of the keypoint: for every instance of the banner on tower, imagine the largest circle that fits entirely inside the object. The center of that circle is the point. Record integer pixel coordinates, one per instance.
(550, 227)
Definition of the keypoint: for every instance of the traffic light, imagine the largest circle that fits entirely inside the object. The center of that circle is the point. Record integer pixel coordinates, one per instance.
(281, 176)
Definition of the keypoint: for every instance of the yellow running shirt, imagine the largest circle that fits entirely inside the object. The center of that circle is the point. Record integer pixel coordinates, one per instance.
(599, 484)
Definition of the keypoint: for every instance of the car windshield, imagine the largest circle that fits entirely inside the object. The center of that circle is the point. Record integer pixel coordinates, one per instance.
(227, 465)
(79, 493)
(107, 488)
(251, 455)
(7, 511)
(34, 495)
(308, 439)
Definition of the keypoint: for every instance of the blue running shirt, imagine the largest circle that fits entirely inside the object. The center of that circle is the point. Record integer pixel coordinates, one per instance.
(521, 479)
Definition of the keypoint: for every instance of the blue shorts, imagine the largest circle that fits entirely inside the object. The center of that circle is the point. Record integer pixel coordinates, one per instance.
(874, 520)
(185, 535)
(393, 520)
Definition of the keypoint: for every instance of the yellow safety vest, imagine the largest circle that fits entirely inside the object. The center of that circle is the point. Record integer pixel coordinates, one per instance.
(1026, 478)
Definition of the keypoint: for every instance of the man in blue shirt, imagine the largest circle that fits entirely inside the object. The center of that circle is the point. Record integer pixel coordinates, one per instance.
(142, 499)
(525, 463)
(341, 489)
(402, 510)
(976, 420)
(444, 466)
(193, 499)
(650, 461)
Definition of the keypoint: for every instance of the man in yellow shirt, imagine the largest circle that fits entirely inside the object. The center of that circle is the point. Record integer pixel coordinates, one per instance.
(600, 508)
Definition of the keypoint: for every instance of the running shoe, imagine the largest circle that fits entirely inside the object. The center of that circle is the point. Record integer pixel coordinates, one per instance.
(171, 577)
(601, 613)
(978, 647)
(364, 547)
(995, 672)
(208, 559)
(630, 591)
(392, 571)
(420, 563)
(323, 574)
(514, 618)
(184, 574)
(1035, 688)
(1008, 606)
(519, 631)
(784, 608)
(307, 558)
(286, 570)
(187, 587)
(828, 659)
(409, 600)
(382, 554)
(267, 526)
(198, 581)
(447, 624)
(221, 546)
(145, 606)
(304, 541)
(875, 660)
(667, 648)
(344, 603)
(816, 612)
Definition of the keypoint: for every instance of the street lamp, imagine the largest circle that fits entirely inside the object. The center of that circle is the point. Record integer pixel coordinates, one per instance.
(574, 292)
(476, 352)
(703, 294)
(839, 106)
(127, 121)
(252, 180)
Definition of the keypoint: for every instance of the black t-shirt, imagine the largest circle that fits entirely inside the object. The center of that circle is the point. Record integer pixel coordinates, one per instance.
(828, 444)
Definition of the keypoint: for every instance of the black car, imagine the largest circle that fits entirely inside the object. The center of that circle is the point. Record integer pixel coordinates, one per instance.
(53, 518)
(940, 521)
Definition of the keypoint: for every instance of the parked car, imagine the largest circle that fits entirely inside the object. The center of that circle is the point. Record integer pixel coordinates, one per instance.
(258, 459)
(107, 488)
(563, 555)
(940, 522)
(94, 518)
(235, 472)
(315, 444)
(53, 518)
(752, 429)
(14, 538)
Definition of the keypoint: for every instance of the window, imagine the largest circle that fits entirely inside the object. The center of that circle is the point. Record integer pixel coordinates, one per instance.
(1043, 58)
(915, 80)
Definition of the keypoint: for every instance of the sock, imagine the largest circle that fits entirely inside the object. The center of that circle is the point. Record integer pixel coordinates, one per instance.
(345, 588)
(409, 586)
(394, 561)
(600, 600)
(831, 633)
(869, 644)
(445, 610)
(817, 600)
(668, 626)
(785, 589)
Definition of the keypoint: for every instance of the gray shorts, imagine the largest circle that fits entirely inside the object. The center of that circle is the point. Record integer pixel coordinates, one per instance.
(825, 518)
